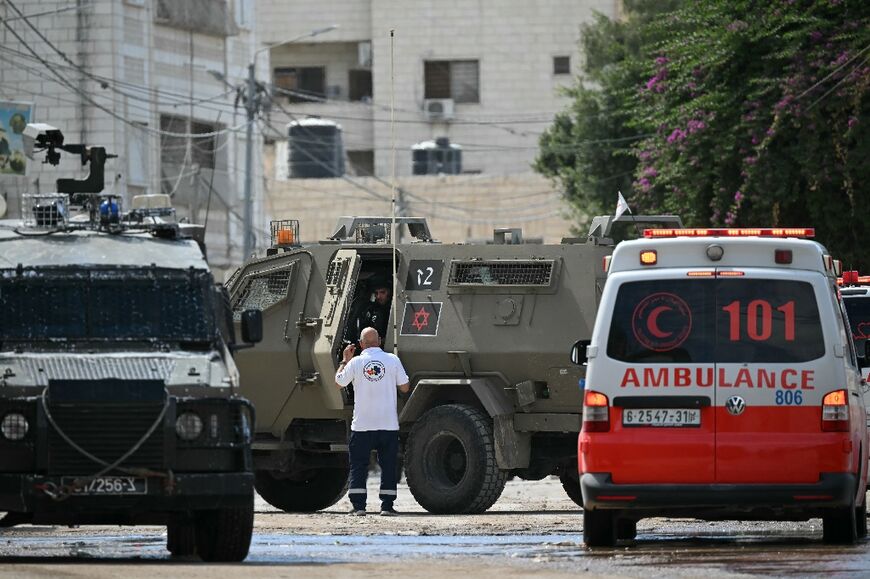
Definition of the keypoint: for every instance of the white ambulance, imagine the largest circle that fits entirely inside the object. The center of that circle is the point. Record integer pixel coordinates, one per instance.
(855, 290)
(722, 383)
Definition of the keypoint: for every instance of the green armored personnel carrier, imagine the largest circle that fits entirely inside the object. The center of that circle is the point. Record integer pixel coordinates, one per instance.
(484, 331)
(119, 397)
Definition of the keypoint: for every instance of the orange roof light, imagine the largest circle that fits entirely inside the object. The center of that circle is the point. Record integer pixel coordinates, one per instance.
(648, 257)
(732, 232)
(286, 237)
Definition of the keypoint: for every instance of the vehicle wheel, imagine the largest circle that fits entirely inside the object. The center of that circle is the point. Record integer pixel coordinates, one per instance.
(599, 528)
(861, 520)
(224, 535)
(312, 491)
(839, 526)
(450, 464)
(571, 483)
(626, 529)
(181, 537)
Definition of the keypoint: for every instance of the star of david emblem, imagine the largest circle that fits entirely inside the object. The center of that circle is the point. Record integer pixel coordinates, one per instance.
(421, 319)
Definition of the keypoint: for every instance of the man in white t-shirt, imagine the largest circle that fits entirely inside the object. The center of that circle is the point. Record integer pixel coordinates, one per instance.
(376, 375)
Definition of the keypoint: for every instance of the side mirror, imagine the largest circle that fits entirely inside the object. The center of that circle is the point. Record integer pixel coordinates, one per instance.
(252, 326)
(578, 352)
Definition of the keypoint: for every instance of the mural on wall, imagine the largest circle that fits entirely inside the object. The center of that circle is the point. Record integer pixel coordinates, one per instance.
(14, 117)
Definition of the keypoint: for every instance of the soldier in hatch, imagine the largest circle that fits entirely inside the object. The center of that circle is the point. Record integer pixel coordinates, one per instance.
(374, 312)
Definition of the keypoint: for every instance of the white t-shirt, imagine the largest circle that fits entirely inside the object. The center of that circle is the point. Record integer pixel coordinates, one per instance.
(376, 376)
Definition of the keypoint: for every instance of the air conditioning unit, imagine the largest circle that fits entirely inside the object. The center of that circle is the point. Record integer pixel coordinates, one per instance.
(438, 109)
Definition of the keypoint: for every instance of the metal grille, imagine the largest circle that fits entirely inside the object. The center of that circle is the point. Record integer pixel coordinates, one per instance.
(107, 431)
(263, 291)
(501, 273)
(41, 369)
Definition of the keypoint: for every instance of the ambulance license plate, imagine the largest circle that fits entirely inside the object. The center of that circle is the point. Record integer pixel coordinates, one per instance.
(664, 417)
(108, 485)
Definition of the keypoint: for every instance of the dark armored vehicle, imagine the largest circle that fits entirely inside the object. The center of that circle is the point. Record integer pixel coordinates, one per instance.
(119, 397)
(482, 329)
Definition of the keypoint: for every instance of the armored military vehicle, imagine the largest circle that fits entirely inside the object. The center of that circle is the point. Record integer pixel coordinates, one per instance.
(119, 398)
(483, 330)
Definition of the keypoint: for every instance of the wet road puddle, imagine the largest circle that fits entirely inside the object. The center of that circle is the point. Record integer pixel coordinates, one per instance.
(672, 550)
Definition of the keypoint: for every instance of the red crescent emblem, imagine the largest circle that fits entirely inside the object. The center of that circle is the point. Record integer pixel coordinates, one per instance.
(661, 334)
(652, 322)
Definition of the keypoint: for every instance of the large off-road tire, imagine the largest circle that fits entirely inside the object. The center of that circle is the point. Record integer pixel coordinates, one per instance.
(861, 520)
(450, 461)
(839, 526)
(599, 528)
(571, 483)
(626, 529)
(312, 491)
(224, 535)
(181, 537)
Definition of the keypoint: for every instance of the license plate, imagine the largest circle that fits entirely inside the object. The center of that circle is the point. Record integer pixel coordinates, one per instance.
(666, 417)
(108, 485)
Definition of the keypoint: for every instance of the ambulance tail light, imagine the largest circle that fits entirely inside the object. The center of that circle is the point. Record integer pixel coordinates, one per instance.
(835, 411)
(596, 412)
(605, 263)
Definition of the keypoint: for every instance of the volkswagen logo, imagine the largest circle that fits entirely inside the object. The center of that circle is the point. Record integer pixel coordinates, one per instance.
(735, 405)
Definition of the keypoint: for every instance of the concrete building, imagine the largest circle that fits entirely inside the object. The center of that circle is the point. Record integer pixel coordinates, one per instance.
(152, 81)
(470, 87)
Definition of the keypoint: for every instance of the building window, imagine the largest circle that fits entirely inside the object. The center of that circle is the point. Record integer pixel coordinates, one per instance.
(360, 85)
(362, 163)
(173, 150)
(561, 65)
(244, 13)
(301, 83)
(452, 79)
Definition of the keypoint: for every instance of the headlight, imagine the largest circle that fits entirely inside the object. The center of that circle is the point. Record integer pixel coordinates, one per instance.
(14, 426)
(188, 426)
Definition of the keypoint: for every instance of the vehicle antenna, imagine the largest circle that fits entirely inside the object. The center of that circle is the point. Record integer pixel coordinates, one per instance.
(393, 187)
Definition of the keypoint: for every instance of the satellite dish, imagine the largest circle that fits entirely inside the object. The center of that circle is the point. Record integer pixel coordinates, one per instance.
(2, 207)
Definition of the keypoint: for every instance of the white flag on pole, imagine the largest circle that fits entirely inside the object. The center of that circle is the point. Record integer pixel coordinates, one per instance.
(621, 205)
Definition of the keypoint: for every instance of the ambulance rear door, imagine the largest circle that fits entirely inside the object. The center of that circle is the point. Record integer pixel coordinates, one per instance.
(660, 376)
(775, 360)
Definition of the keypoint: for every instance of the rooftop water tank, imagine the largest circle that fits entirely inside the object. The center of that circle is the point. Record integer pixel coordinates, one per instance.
(315, 149)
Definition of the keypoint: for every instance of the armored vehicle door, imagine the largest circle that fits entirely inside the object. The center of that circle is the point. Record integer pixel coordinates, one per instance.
(340, 279)
(278, 288)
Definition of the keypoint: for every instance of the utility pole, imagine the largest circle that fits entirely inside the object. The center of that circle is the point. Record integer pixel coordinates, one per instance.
(251, 106)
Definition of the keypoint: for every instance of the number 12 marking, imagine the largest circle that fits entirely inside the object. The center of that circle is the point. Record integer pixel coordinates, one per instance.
(428, 280)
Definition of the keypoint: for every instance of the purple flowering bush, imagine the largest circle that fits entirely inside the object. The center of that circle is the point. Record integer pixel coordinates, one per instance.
(745, 113)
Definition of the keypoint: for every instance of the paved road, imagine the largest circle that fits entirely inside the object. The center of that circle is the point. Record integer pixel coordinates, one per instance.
(532, 531)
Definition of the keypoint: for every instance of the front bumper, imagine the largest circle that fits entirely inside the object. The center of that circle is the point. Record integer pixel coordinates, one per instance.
(721, 501)
(26, 494)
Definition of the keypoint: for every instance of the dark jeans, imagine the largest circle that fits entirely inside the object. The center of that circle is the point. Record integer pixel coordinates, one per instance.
(386, 443)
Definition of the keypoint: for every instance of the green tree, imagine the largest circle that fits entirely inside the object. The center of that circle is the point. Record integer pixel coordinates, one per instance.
(588, 149)
(759, 115)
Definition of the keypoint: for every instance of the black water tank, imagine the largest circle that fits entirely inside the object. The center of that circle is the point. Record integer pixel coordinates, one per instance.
(436, 157)
(315, 149)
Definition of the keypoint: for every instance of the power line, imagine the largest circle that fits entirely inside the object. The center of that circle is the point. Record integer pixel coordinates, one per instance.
(132, 123)
(103, 108)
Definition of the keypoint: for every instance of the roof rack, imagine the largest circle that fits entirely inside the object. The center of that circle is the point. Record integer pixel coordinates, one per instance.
(377, 229)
